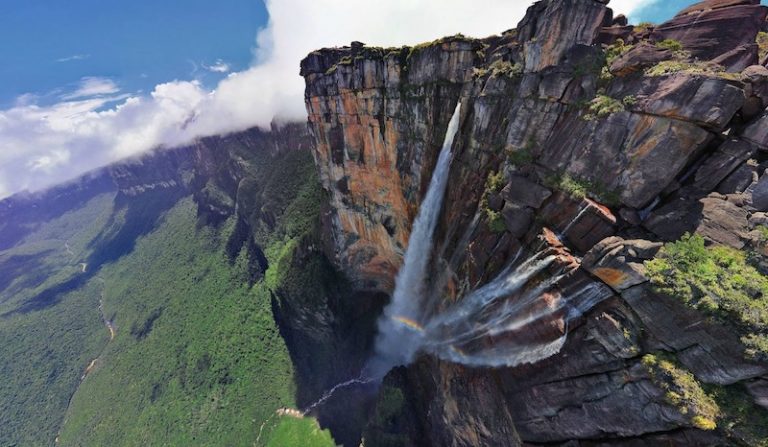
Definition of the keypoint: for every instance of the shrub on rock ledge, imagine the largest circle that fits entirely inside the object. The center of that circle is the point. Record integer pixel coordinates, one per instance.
(718, 281)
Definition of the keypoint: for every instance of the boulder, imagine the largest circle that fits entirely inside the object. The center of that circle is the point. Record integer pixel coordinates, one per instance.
(760, 194)
(619, 263)
(723, 222)
(582, 223)
(626, 403)
(707, 101)
(757, 131)
(729, 156)
(676, 217)
(712, 352)
(758, 388)
(740, 179)
(738, 58)
(610, 34)
(517, 218)
(755, 78)
(616, 332)
(525, 192)
(634, 155)
(641, 56)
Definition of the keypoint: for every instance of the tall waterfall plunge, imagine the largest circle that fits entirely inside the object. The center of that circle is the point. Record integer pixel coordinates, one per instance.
(516, 318)
(397, 343)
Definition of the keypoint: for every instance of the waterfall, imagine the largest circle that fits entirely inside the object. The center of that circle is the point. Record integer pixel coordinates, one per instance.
(487, 326)
(516, 318)
(328, 394)
(395, 344)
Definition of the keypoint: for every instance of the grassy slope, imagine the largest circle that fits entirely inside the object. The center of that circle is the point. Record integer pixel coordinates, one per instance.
(197, 359)
(44, 352)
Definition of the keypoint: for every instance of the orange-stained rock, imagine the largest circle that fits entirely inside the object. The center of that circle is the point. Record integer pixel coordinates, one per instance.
(618, 262)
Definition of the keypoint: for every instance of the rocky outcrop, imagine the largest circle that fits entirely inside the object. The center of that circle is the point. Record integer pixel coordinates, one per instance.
(547, 34)
(367, 127)
(639, 57)
(615, 149)
(700, 29)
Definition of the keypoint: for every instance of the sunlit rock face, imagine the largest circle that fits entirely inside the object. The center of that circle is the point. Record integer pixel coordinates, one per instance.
(599, 153)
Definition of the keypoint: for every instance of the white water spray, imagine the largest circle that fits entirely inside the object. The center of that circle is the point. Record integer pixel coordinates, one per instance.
(491, 326)
(328, 394)
(394, 344)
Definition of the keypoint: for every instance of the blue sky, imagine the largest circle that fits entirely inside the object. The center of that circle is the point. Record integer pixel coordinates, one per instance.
(84, 83)
(48, 45)
(661, 10)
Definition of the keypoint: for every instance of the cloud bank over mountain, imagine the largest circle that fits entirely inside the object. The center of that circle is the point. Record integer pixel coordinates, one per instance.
(97, 123)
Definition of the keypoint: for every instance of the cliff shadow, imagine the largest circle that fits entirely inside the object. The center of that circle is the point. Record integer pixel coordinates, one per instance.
(141, 214)
(329, 330)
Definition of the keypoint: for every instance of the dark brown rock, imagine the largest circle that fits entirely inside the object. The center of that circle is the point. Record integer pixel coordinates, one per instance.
(675, 218)
(445, 404)
(700, 27)
(610, 34)
(711, 351)
(641, 56)
(582, 223)
(738, 58)
(617, 333)
(637, 155)
(757, 131)
(760, 194)
(758, 388)
(740, 179)
(551, 29)
(618, 262)
(518, 218)
(525, 192)
(704, 100)
(755, 78)
(723, 222)
(614, 398)
(729, 156)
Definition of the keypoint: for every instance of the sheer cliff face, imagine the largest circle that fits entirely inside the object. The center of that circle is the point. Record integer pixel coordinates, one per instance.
(617, 145)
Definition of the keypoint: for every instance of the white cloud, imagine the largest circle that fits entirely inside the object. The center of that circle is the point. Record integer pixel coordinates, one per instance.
(218, 67)
(94, 125)
(631, 7)
(48, 162)
(74, 57)
(93, 86)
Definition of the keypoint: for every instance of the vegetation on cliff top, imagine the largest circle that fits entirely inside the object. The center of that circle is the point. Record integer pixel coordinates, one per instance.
(729, 409)
(493, 184)
(499, 68)
(762, 44)
(718, 281)
(740, 418)
(682, 391)
(578, 188)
